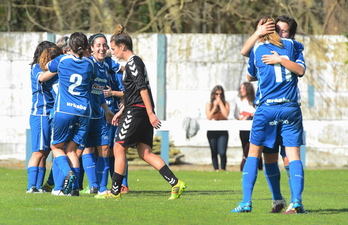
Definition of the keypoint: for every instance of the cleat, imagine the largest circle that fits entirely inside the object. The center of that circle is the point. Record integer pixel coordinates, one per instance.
(46, 187)
(74, 192)
(177, 190)
(58, 193)
(295, 208)
(33, 189)
(108, 195)
(243, 207)
(104, 192)
(124, 189)
(278, 205)
(88, 190)
(68, 182)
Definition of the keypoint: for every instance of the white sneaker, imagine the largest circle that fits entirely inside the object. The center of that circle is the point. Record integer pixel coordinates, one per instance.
(58, 192)
(33, 190)
(289, 207)
(278, 205)
(104, 192)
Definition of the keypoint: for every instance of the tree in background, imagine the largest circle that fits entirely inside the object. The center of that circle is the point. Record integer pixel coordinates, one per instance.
(169, 16)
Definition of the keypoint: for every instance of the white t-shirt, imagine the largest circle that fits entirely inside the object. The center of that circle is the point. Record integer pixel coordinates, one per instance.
(242, 106)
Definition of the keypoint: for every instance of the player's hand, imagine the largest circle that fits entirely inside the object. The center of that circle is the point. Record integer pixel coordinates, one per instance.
(264, 29)
(116, 118)
(107, 92)
(109, 116)
(155, 122)
(271, 59)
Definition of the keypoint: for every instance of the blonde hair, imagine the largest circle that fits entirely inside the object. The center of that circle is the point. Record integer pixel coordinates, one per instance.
(48, 54)
(121, 37)
(274, 37)
(119, 29)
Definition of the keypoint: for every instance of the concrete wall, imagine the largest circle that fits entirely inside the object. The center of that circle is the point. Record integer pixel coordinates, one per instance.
(195, 64)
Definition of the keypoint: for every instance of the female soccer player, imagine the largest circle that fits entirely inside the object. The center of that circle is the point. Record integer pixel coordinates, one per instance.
(40, 124)
(72, 110)
(278, 113)
(286, 28)
(98, 172)
(136, 119)
(113, 95)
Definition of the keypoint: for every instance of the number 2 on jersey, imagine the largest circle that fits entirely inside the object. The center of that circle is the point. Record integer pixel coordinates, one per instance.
(76, 80)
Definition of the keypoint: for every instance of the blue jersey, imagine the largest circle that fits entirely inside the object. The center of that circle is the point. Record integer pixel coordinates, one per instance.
(276, 84)
(42, 97)
(97, 86)
(115, 83)
(74, 90)
(299, 48)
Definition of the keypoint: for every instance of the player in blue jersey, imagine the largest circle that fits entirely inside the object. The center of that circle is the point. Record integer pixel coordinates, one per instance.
(98, 172)
(40, 124)
(63, 44)
(72, 110)
(136, 119)
(113, 95)
(286, 27)
(278, 113)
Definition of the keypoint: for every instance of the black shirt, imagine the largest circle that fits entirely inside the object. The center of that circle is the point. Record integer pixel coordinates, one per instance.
(135, 79)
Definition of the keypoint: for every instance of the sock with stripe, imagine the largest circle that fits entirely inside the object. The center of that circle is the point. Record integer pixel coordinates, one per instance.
(168, 175)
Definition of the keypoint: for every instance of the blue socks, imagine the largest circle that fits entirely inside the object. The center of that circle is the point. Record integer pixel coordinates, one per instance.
(76, 171)
(297, 179)
(32, 176)
(88, 161)
(272, 174)
(125, 179)
(58, 176)
(102, 172)
(40, 177)
(63, 164)
(249, 177)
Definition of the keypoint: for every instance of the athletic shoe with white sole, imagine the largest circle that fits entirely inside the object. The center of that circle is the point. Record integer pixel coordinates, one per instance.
(88, 190)
(74, 192)
(58, 193)
(296, 208)
(177, 190)
(108, 195)
(46, 187)
(243, 208)
(68, 182)
(278, 205)
(33, 189)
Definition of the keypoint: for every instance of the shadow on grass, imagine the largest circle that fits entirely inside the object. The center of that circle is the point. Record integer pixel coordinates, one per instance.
(328, 211)
(189, 192)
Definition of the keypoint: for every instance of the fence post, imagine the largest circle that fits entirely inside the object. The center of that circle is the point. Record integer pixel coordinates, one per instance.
(161, 93)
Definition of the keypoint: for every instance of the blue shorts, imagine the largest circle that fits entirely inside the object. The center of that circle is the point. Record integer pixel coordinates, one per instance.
(40, 127)
(111, 133)
(97, 133)
(283, 120)
(67, 127)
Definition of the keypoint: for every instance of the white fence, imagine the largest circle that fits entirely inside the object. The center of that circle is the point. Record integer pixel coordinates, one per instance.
(195, 63)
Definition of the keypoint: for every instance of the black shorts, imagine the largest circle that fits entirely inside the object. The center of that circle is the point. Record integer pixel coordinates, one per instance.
(134, 127)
